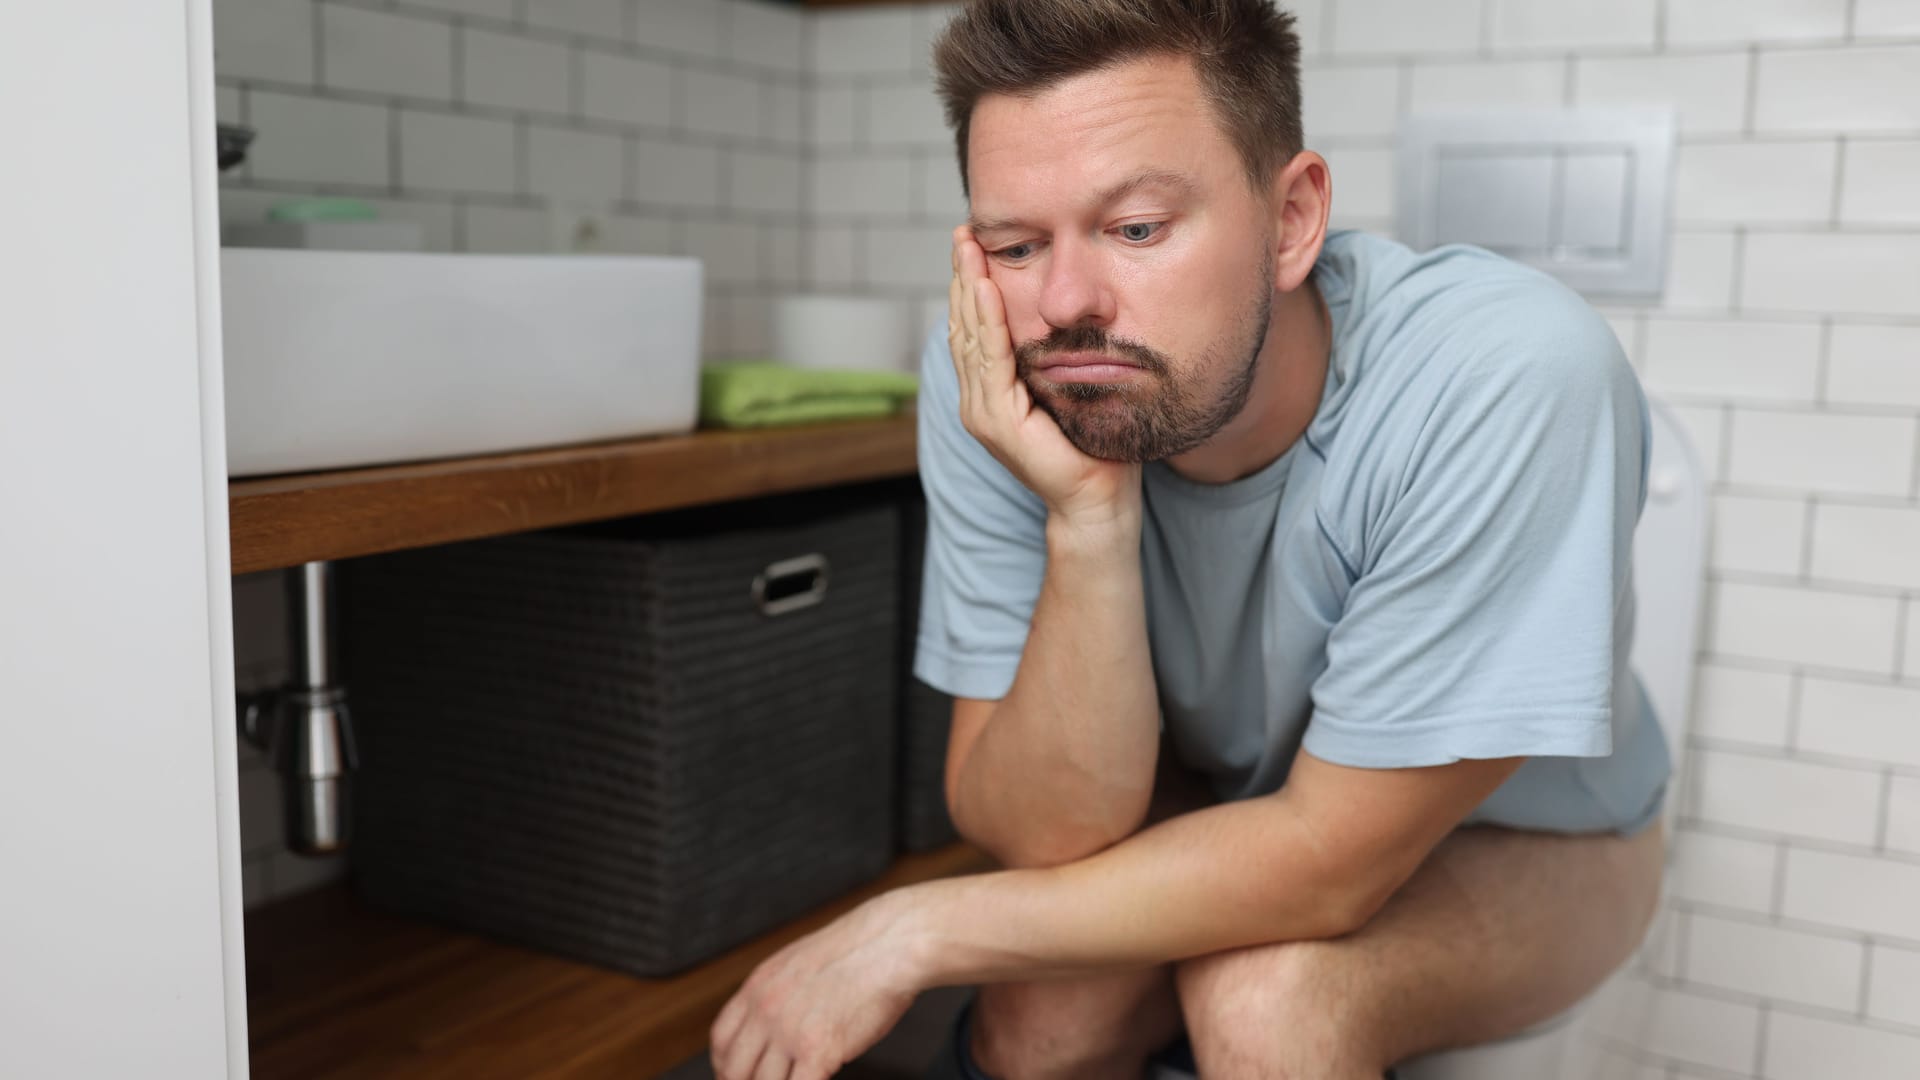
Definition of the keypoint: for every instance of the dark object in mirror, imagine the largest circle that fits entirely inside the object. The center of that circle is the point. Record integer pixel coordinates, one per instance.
(232, 143)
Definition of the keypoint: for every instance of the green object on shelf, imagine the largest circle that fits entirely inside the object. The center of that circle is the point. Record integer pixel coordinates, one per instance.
(757, 393)
(322, 210)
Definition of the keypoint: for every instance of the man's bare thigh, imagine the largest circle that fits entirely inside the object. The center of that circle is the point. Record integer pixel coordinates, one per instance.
(1498, 930)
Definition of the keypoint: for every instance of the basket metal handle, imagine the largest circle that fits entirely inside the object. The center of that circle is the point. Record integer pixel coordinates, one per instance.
(791, 585)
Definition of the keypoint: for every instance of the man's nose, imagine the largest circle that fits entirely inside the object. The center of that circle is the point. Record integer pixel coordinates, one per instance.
(1076, 289)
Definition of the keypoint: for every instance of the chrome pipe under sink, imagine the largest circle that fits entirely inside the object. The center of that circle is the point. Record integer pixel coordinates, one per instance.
(305, 725)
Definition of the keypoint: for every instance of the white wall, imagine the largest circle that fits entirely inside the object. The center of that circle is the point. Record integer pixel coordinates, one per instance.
(115, 691)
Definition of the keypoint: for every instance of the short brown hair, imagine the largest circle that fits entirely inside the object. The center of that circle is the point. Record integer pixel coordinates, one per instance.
(1245, 52)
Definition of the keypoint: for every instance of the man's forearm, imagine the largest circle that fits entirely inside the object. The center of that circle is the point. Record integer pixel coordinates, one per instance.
(1066, 764)
(1226, 877)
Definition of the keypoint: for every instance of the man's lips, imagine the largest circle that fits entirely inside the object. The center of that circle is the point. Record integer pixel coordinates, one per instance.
(1085, 367)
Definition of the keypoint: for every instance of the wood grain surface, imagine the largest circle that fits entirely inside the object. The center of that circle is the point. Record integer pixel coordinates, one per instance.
(337, 990)
(281, 521)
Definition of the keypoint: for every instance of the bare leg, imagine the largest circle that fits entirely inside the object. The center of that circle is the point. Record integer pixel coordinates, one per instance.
(1099, 1028)
(1497, 931)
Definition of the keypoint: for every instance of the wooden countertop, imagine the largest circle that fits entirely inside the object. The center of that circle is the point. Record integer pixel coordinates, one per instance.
(280, 521)
(337, 990)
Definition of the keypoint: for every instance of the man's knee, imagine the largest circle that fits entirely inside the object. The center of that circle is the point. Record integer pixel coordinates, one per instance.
(1080, 1028)
(1282, 1010)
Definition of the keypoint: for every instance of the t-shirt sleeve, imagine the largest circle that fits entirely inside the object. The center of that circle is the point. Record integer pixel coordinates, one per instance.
(1491, 560)
(986, 547)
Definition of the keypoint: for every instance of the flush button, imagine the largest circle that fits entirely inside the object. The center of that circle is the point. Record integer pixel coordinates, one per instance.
(1595, 202)
(1499, 201)
(1582, 194)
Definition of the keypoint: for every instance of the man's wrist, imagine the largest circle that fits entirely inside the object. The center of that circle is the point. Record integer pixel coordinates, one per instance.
(919, 918)
(1106, 532)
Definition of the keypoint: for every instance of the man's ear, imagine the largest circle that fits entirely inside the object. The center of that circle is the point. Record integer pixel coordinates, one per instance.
(1301, 196)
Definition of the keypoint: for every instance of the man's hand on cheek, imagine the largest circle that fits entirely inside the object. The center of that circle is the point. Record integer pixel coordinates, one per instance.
(999, 411)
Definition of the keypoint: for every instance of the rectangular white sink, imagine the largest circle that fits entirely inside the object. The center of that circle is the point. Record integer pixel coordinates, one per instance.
(343, 358)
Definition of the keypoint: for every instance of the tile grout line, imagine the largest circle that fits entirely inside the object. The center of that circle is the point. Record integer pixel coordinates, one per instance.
(1796, 697)
(1901, 630)
(246, 120)
(1725, 449)
(1777, 902)
(1753, 90)
(319, 47)
(677, 100)
(522, 159)
(1738, 285)
(1839, 180)
(1811, 510)
(393, 149)
(1813, 844)
(1913, 489)
(1851, 935)
(1886, 811)
(576, 83)
(459, 29)
(1866, 976)
(1683, 943)
(629, 169)
(1760, 1038)
(1823, 362)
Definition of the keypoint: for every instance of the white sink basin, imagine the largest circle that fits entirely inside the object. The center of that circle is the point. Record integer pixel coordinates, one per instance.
(343, 358)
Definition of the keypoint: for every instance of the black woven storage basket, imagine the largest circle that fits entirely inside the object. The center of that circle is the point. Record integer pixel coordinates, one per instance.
(926, 714)
(596, 742)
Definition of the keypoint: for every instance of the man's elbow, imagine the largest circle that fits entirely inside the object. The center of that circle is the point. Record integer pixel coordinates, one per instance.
(1041, 844)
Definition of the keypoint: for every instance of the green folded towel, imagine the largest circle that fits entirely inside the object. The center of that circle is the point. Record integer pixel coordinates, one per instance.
(759, 393)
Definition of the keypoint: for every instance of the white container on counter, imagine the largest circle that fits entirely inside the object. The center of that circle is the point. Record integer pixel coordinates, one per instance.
(343, 358)
(828, 331)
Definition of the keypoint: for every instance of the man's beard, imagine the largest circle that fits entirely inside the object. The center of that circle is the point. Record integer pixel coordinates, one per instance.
(1135, 423)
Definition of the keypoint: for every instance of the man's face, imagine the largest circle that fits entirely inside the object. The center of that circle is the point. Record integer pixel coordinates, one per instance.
(1135, 262)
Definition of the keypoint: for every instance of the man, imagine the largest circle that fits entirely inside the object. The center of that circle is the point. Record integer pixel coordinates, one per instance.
(1339, 529)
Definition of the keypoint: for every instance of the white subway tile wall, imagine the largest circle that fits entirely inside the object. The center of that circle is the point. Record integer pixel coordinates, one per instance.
(1715, 182)
(1788, 343)
(1747, 956)
(1405, 26)
(805, 149)
(1473, 84)
(1887, 18)
(1759, 534)
(1893, 990)
(1737, 22)
(1555, 24)
(380, 53)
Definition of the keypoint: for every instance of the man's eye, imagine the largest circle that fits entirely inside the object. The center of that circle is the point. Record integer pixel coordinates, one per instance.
(1016, 252)
(1145, 233)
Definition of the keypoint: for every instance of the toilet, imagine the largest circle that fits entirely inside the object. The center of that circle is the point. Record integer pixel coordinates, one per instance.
(1669, 556)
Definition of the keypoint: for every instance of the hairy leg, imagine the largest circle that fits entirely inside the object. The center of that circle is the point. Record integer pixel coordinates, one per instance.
(1099, 1028)
(1498, 930)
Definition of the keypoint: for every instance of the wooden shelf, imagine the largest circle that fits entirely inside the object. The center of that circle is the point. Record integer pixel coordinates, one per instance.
(337, 990)
(281, 521)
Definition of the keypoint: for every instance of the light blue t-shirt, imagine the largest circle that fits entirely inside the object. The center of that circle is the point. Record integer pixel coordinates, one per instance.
(1440, 569)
